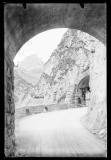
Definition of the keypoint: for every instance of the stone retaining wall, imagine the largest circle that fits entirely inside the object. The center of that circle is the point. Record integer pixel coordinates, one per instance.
(21, 112)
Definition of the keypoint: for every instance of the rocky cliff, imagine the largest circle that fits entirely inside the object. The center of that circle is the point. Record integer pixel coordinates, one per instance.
(22, 87)
(67, 65)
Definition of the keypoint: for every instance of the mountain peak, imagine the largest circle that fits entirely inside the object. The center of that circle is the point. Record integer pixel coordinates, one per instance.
(31, 62)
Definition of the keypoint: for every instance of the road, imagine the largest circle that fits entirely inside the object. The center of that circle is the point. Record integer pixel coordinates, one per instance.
(57, 134)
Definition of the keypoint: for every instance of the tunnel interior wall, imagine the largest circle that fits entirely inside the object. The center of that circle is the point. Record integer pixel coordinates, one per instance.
(9, 107)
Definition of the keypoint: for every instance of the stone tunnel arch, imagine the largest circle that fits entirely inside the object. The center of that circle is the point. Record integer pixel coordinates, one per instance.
(22, 24)
(84, 82)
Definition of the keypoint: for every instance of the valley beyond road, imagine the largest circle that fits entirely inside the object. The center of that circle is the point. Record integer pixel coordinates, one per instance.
(57, 134)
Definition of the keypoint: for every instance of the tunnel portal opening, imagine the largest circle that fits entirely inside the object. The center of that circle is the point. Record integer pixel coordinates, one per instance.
(82, 91)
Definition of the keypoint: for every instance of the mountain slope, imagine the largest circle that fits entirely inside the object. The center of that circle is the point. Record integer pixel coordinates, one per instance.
(31, 62)
(26, 76)
(21, 88)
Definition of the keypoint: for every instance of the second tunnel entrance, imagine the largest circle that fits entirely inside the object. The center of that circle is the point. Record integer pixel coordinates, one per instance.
(81, 93)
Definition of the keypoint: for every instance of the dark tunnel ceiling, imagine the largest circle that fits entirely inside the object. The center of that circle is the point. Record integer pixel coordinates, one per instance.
(84, 82)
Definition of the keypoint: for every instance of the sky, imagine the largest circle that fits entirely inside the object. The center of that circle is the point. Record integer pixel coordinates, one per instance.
(42, 44)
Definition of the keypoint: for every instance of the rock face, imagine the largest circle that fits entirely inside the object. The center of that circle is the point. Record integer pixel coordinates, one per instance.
(22, 88)
(68, 64)
(77, 56)
(97, 111)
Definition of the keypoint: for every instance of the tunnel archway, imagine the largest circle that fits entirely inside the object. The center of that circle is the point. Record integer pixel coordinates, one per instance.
(84, 82)
(84, 89)
(22, 24)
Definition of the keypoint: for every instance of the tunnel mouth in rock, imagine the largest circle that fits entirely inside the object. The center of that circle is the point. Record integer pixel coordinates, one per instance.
(82, 92)
(84, 83)
(84, 88)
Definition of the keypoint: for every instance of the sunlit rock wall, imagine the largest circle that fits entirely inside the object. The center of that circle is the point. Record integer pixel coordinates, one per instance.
(97, 111)
(67, 65)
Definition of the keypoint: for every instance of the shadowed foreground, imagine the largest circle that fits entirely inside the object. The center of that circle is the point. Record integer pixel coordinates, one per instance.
(58, 133)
